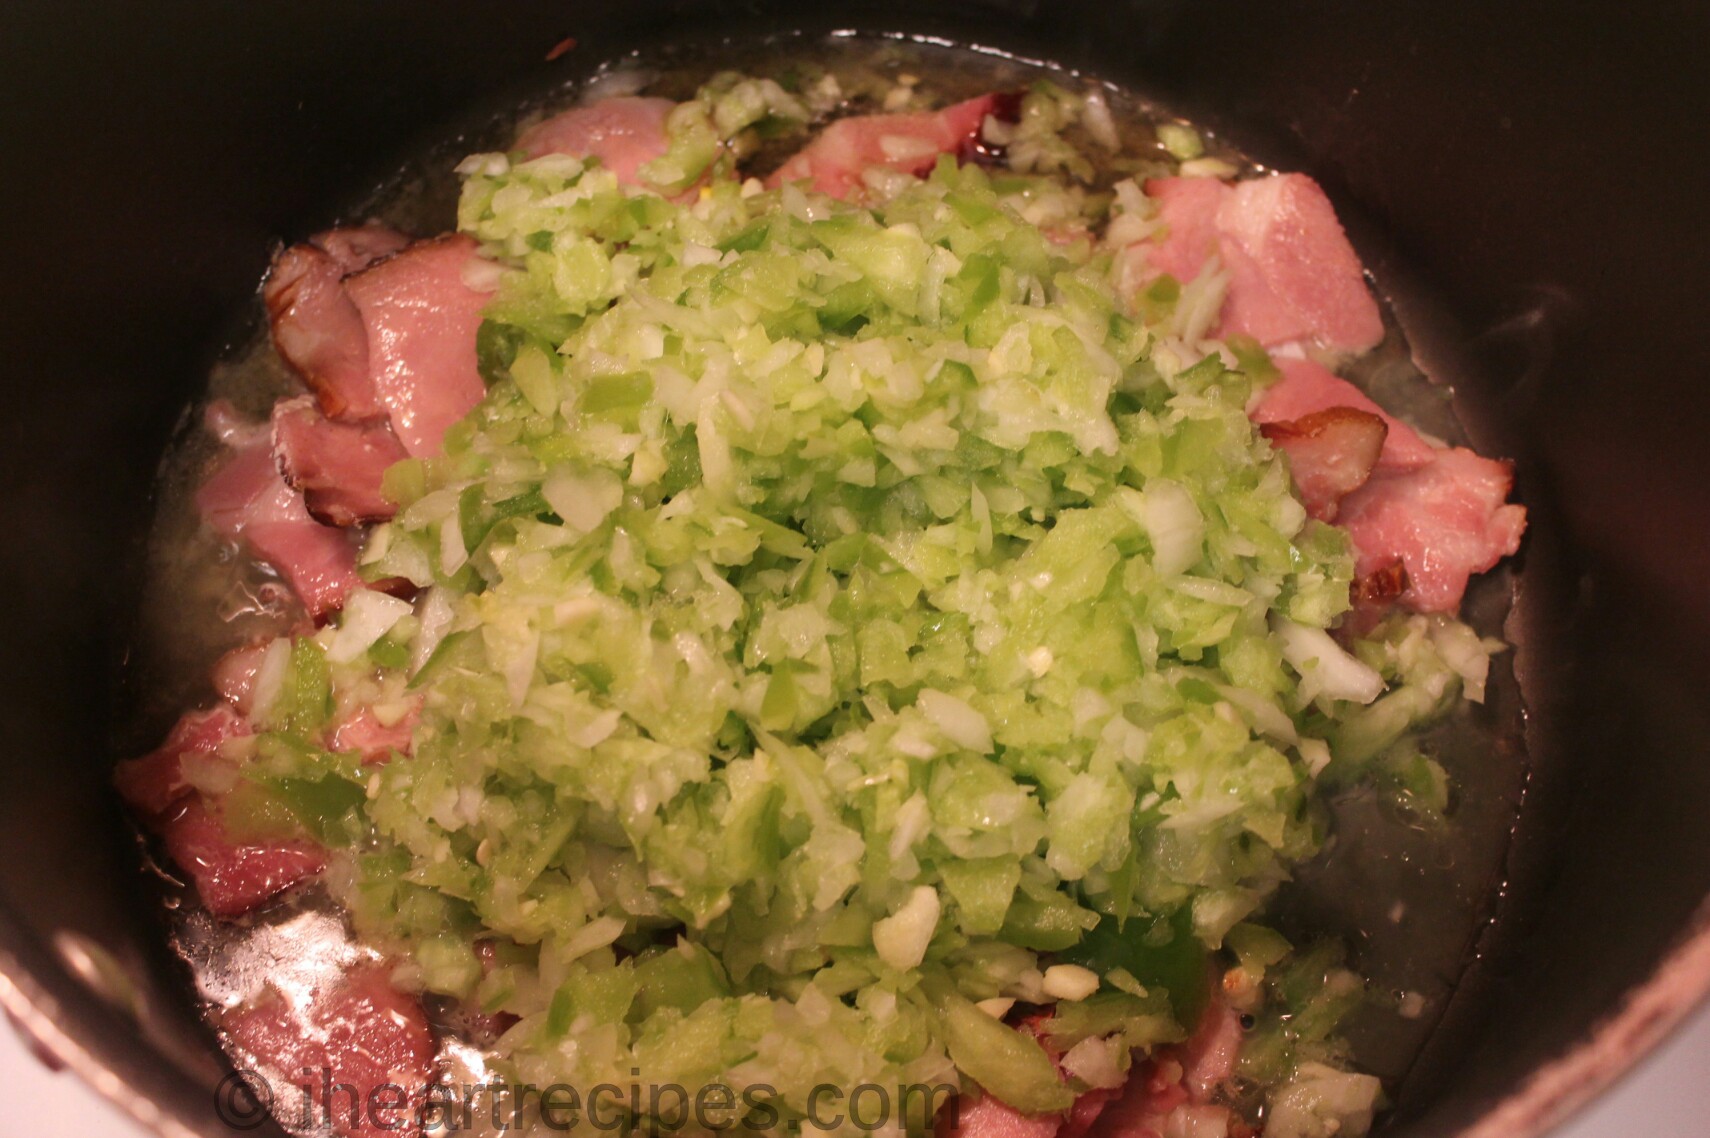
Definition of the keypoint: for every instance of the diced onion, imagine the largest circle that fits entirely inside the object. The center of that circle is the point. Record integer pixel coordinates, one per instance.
(960, 722)
(368, 615)
(901, 938)
(1324, 667)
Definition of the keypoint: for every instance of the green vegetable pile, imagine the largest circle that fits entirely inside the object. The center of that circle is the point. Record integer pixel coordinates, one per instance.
(837, 617)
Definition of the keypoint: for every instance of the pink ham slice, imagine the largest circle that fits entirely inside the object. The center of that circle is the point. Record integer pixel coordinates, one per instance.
(1427, 519)
(362, 732)
(319, 332)
(421, 319)
(381, 330)
(1209, 1056)
(624, 133)
(1171, 1094)
(155, 781)
(1188, 208)
(316, 328)
(233, 875)
(337, 466)
(1088, 1109)
(1306, 388)
(991, 1117)
(362, 1051)
(1444, 522)
(356, 247)
(834, 161)
(247, 501)
(1292, 273)
(1153, 1094)
(1331, 453)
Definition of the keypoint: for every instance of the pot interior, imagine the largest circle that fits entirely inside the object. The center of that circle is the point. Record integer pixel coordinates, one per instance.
(1513, 179)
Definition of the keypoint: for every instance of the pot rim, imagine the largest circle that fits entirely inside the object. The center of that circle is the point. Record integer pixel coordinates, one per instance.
(61, 1016)
(1646, 1015)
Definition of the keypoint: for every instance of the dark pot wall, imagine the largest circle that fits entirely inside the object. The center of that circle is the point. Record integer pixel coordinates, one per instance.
(1538, 166)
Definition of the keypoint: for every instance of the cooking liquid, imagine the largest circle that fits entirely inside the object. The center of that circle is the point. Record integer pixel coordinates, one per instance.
(1408, 898)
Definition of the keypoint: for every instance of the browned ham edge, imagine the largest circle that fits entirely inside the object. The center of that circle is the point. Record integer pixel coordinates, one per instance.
(337, 466)
(1331, 454)
(318, 332)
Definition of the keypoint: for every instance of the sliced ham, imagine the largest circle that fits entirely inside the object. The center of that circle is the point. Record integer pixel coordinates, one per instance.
(1171, 1093)
(625, 133)
(381, 330)
(1088, 1109)
(247, 501)
(990, 1117)
(363, 733)
(1425, 521)
(835, 160)
(1189, 237)
(1153, 1093)
(1307, 387)
(319, 332)
(1292, 273)
(362, 1051)
(421, 318)
(1331, 453)
(155, 781)
(356, 247)
(233, 875)
(337, 466)
(1443, 522)
(1208, 1057)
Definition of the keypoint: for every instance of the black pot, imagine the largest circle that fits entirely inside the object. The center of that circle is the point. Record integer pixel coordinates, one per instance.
(1526, 180)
